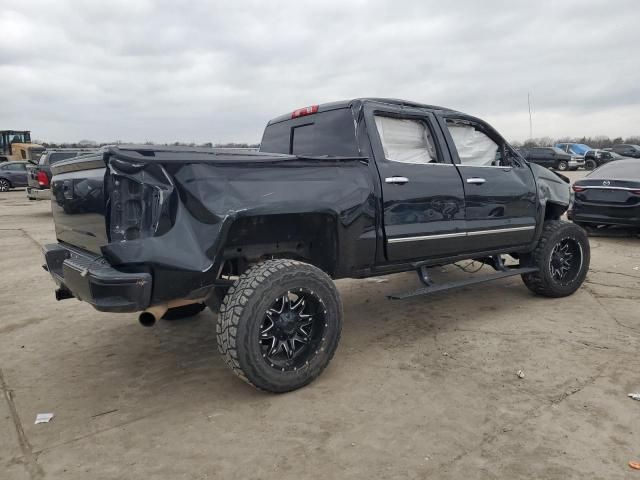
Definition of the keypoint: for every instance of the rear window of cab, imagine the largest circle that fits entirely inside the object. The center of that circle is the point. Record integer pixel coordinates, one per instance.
(324, 133)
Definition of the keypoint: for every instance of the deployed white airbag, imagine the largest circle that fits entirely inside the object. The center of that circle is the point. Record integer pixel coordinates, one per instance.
(405, 140)
(474, 147)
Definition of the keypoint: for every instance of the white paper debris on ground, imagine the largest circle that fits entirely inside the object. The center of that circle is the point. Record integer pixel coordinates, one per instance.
(635, 396)
(43, 418)
(376, 279)
(520, 374)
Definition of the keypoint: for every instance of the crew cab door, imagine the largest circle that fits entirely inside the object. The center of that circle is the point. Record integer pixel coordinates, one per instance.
(500, 190)
(422, 193)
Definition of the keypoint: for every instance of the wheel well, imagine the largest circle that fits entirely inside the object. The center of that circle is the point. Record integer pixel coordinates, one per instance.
(9, 181)
(308, 237)
(553, 211)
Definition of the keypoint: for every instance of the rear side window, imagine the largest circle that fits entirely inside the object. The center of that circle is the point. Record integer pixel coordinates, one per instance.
(406, 140)
(325, 133)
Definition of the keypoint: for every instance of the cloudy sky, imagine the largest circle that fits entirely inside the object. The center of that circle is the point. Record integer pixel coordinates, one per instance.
(199, 70)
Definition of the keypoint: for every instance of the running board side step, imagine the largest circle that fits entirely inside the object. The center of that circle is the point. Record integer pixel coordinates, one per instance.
(510, 272)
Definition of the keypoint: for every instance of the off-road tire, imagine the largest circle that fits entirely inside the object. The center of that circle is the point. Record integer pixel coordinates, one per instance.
(243, 310)
(590, 164)
(185, 311)
(563, 165)
(5, 185)
(542, 281)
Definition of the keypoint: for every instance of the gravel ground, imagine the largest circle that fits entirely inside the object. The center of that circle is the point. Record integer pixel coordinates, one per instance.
(423, 388)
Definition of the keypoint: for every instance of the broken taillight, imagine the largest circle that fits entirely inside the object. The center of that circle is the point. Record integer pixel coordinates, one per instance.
(301, 112)
(42, 179)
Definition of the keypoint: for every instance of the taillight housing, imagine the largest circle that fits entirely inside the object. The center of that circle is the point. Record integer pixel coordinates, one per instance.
(42, 178)
(577, 188)
(301, 112)
(635, 192)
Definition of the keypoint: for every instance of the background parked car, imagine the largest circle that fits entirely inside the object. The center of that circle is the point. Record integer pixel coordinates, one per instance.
(610, 195)
(552, 157)
(596, 158)
(12, 175)
(627, 150)
(39, 175)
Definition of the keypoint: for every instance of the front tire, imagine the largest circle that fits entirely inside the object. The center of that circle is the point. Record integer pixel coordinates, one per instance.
(4, 185)
(562, 257)
(279, 325)
(563, 166)
(590, 164)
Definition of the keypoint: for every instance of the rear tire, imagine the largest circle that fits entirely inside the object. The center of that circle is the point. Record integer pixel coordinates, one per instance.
(590, 165)
(562, 256)
(268, 336)
(5, 185)
(185, 311)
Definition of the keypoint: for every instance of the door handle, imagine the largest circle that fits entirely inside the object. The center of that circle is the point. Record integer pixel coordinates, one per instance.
(476, 180)
(397, 180)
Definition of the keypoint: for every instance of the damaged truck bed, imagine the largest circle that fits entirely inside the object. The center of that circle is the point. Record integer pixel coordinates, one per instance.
(349, 189)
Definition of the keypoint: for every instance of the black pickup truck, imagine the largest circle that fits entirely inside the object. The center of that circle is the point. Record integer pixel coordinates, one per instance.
(357, 188)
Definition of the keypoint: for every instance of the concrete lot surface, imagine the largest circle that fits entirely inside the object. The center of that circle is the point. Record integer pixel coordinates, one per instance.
(423, 388)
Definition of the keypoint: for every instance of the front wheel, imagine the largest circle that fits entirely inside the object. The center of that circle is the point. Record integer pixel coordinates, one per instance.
(563, 166)
(279, 325)
(590, 164)
(4, 185)
(562, 257)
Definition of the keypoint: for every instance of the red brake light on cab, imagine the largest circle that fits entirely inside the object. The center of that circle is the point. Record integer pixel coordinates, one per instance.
(577, 188)
(301, 112)
(42, 178)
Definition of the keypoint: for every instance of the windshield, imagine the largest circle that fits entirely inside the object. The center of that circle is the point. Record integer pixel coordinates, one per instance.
(580, 148)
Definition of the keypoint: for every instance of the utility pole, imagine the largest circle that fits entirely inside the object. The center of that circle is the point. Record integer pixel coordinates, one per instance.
(530, 122)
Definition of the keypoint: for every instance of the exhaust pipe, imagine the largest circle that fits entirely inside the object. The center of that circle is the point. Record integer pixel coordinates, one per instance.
(152, 314)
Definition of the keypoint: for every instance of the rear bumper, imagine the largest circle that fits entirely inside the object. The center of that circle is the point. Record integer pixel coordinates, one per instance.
(623, 216)
(91, 279)
(38, 194)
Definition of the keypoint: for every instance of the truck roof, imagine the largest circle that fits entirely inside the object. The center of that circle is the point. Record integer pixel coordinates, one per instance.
(324, 107)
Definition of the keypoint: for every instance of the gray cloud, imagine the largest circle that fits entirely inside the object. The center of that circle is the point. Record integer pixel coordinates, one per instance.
(200, 71)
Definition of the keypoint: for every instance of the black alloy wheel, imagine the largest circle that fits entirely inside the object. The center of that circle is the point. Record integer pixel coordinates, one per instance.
(292, 329)
(279, 324)
(565, 262)
(562, 257)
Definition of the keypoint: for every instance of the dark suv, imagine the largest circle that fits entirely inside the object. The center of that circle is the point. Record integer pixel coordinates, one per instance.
(627, 150)
(552, 157)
